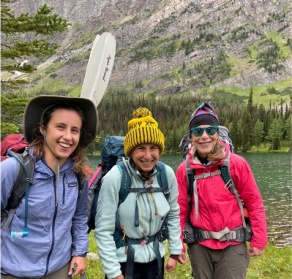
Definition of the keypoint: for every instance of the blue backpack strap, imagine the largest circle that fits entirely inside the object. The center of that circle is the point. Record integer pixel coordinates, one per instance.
(163, 182)
(20, 189)
(126, 181)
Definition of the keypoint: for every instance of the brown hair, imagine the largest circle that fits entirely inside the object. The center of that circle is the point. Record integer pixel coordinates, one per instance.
(77, 156)
(217, 153)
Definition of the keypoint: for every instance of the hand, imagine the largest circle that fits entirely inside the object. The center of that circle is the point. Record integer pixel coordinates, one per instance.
(77, 266)
(253, 251)
(182, 259)
(171, 264)
(121, 276)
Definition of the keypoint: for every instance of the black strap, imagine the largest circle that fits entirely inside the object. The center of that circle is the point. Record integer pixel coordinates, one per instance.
(131, 254)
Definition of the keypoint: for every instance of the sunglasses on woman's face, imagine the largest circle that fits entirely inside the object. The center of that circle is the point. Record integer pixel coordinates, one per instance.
(211, 130)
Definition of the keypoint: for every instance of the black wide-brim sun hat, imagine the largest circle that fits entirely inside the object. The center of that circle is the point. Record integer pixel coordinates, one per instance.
(36, 106)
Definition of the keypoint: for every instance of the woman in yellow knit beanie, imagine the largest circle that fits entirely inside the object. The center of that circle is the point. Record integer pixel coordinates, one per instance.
(151, 203)
(143, 128)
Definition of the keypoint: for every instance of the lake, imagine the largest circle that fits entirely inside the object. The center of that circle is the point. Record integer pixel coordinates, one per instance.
(273, 175)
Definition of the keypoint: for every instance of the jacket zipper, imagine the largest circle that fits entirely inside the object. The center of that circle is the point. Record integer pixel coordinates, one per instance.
(53, 228)
(65, 182)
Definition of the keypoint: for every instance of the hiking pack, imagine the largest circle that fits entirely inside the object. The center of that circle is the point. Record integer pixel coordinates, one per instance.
(15, 142)
(113, 154)
(113, 148)
(14, 145)
(192, 234)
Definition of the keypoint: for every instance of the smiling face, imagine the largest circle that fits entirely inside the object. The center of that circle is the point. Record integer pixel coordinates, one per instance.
(62, 135)
(145, 156)
(205, 143)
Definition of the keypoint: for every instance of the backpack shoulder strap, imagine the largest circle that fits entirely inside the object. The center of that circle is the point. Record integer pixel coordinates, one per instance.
(126, 184)
(126, 179)
(80, 184)
(229, 183)
(162, 178)
(21, 185)
(190, 177)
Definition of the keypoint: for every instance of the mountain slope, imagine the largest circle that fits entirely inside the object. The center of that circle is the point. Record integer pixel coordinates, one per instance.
(174, 46)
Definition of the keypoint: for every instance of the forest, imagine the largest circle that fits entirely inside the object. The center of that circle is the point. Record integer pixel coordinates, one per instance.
(251, 126)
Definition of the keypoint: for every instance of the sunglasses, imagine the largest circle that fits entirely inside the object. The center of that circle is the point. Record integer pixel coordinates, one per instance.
(211, 130)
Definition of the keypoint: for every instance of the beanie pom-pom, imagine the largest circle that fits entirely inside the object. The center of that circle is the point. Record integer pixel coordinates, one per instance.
(141, 112)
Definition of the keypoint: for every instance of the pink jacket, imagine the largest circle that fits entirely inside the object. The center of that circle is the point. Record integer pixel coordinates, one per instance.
(218, 207)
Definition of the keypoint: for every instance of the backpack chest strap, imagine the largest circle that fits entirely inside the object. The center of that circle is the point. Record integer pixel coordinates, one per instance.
(146, 190)
(140, 191)
(207, 174)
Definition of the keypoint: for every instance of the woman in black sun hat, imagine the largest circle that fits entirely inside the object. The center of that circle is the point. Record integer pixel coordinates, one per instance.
(47, 237)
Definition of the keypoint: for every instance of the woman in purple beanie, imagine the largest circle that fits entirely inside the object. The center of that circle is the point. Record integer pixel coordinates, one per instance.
(218, 247)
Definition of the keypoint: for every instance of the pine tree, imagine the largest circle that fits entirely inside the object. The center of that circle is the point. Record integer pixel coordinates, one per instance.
(24, 38)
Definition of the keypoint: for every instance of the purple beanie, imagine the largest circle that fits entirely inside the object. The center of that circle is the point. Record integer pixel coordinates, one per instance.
(204, 115)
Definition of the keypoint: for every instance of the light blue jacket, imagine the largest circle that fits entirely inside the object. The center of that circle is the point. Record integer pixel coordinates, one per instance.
(149, 223)
(57, 226)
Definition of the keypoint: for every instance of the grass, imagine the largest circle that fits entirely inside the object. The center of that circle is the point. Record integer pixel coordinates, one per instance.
(275, 263)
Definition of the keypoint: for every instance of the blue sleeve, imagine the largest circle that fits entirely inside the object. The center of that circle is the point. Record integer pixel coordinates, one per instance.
(79, 224)
(9, 172)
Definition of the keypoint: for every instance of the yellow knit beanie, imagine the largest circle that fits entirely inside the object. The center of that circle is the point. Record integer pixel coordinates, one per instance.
(143, 128)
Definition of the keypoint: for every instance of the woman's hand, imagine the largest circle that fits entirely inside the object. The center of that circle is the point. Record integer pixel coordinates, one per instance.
(121, 276)
(171, 264)
(182, 259)
(253, 251)
(77, 266)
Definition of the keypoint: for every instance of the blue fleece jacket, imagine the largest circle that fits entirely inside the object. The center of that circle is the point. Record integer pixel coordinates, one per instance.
(57, 221)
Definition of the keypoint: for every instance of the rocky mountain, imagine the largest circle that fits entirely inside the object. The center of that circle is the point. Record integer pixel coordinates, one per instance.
(173, 46)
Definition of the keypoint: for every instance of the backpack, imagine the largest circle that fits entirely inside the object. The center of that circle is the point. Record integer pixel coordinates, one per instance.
(14, 145)
(224, 172)
(15, 142)
(112, 149)
(113, 153)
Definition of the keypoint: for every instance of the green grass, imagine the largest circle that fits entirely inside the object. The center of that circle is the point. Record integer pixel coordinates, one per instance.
(275, 263)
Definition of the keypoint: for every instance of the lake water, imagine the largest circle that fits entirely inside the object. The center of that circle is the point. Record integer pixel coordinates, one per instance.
(273, 175)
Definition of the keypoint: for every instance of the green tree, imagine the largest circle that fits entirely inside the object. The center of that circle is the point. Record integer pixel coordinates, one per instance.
(288, 130)
(23, 38)
(258, 133)
(235, 134)
(12, 108)
(275, 134)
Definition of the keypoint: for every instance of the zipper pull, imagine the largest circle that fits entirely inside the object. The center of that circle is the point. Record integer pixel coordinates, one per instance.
(124, 232)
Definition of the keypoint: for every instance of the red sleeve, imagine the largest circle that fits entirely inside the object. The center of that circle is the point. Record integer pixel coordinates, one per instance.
(250, 194)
